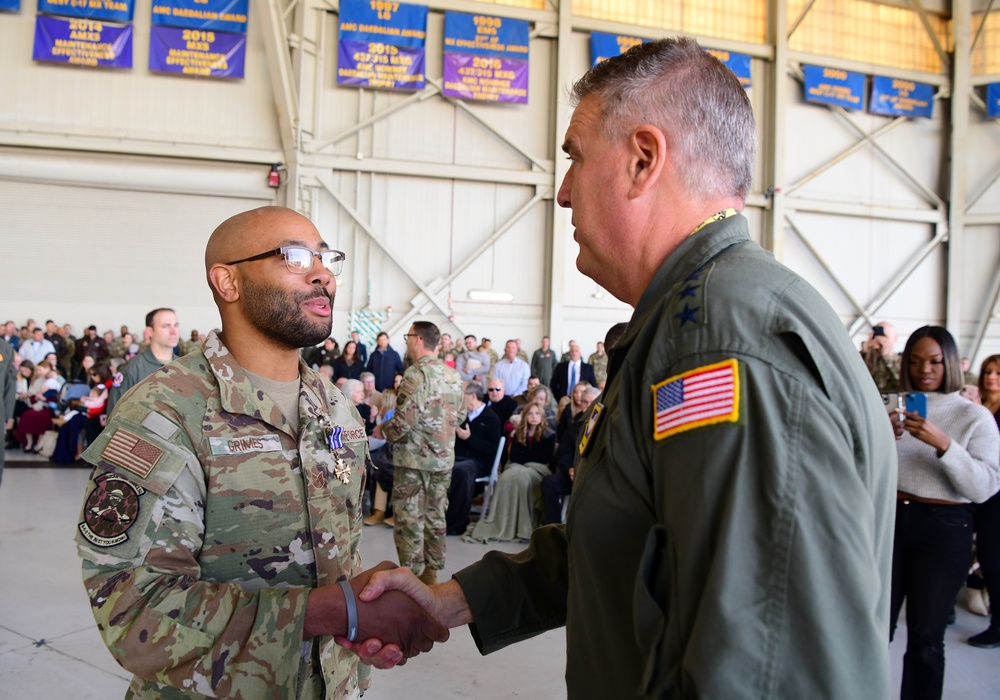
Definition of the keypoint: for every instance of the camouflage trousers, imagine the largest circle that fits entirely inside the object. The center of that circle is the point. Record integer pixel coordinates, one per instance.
(419, 501)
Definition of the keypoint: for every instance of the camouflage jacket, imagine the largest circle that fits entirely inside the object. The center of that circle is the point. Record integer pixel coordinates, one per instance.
(429, 406)
(885, 371)
(600, 365)
(206, 524)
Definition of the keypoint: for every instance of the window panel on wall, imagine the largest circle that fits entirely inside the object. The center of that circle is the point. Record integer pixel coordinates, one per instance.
(860, 30)
(737, 20)
(986, 53)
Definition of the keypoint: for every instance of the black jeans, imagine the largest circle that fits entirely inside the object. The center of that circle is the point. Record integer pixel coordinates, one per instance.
(930, 560)
(987, 518)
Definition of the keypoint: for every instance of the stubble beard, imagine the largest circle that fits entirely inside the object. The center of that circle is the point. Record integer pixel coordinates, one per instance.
(279, 315)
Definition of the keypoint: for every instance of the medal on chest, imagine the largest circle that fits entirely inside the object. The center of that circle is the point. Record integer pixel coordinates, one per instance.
(334, 436)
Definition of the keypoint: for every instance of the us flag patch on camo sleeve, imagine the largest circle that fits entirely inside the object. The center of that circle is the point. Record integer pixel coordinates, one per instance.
(130, 452)
(702, 396)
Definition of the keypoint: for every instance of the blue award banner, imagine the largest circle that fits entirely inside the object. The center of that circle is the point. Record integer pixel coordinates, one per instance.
(111, 10)
(901, 98)
(13, 5)
(485, 58)
(82, 42)
(485, 35)
(382, 44)
(993, 100)
(738, 63)
(833, 86)
(222, 15)
(197, 52)
(604, 46)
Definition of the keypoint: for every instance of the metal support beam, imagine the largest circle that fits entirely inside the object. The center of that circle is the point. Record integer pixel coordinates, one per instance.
(897, 280)
(441, 285)
(863, 313)
(989, 313)
(286, 99)
(382, 246)
(931, 34)
(773, 219)
(558, 249)
(958, 146)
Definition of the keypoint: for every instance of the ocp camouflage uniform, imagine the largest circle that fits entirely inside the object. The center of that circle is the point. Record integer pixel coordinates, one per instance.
(429, 406)
(600, 365)
(117, 348)
(208, 521)
(884, 370)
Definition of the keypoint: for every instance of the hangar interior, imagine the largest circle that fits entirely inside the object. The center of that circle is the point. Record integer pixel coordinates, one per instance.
(112, 179)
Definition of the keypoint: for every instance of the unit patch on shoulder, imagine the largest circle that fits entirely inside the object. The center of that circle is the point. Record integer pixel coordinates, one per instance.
(702, 396)
(588, 432)
(117, 380)
(111, 509)
(130, 452)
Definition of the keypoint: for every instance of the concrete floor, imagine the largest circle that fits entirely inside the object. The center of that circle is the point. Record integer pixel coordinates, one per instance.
(50, 648)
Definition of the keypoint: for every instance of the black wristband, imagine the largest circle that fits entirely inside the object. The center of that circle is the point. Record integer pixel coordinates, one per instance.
(352, 610)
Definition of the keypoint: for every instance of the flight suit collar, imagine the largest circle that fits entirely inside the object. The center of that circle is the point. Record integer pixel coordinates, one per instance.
(694, 252)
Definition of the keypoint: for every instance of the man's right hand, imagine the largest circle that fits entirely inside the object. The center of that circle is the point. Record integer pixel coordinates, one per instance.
(445, 602)
(394, 618)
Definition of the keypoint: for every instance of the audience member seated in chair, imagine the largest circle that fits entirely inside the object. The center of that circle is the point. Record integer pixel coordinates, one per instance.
(560, 482)
(514, 510)
(379, 483)
(542, 396)
(475, 448)
(355, 391)
(498, 401)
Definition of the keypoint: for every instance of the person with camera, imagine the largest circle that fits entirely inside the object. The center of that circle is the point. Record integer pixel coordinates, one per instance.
(881, 357)
(948, 460)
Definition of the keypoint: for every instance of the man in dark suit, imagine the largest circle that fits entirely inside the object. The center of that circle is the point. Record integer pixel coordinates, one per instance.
(476, 443)
(384, 363)
(567, 374)
(498, 401)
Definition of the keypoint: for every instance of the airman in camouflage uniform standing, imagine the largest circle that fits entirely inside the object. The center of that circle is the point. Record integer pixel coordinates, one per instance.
(428, 409)
(599, 361)
(224, 506)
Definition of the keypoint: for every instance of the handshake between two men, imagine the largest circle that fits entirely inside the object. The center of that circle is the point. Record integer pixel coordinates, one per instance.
(394, 618)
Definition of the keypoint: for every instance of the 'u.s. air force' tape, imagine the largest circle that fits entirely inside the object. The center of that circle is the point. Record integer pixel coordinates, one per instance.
(243, 445)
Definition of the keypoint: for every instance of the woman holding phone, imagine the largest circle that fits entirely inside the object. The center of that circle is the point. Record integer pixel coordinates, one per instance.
(988, 514)
(948, 460)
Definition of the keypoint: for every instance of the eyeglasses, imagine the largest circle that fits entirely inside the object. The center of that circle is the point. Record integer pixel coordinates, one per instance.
(299, 260)
(494, 388)
(410, 335)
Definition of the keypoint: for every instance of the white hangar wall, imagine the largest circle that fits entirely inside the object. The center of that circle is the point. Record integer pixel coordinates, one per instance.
(127, 173)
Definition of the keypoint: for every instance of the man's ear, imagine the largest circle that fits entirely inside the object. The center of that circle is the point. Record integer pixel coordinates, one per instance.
(648, 154)
(225, 282)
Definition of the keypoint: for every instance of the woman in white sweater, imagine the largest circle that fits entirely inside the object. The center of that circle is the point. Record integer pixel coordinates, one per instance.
(947, 461)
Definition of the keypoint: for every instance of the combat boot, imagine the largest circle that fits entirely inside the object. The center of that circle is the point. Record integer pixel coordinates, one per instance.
(429, 576)
(376, 518)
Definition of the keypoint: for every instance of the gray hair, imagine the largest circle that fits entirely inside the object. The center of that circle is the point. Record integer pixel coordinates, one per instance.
(350, 386)
(693, 98)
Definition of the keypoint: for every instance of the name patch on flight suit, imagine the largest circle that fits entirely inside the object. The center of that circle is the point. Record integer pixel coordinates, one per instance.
(702, 396)
(243, 445)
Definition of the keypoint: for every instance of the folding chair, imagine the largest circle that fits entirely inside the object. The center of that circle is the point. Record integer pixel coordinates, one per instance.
(490, 482)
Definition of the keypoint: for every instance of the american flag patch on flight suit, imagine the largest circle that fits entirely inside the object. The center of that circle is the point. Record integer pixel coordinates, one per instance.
(702, 396)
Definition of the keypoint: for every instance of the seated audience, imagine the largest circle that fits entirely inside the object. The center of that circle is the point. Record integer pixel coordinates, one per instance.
(476, 443)
(514, 509)
(498, 401)
(559, 484)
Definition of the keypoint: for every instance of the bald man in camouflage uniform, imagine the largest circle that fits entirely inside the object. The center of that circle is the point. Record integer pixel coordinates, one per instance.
(428, 409)
(224, 506)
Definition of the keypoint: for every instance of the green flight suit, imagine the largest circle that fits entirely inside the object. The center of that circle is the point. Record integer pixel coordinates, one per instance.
(130, 374)
(744, 558)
